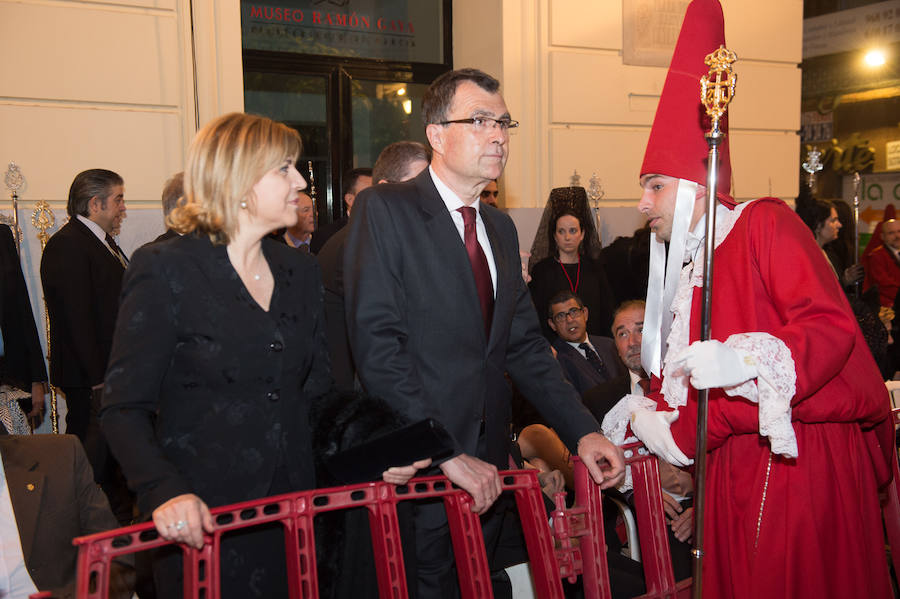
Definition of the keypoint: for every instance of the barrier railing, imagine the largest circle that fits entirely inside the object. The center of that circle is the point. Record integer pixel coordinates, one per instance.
(573, 547)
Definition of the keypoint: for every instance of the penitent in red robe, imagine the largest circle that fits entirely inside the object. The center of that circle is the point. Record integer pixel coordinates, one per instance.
(808, 526)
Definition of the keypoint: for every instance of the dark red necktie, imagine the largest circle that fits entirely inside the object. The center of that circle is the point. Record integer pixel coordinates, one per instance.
(479, 268)
(645, 385)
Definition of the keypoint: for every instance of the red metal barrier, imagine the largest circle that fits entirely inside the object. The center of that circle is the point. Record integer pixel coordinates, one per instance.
(577, 531)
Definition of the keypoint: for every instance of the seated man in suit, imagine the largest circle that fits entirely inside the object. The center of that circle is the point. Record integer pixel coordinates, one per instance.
(51, 499)
(586, 360)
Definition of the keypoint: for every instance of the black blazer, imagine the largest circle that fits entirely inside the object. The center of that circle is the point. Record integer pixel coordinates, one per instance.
(228, 384)
(601, 398)
(165, 236)
(23, 362)
(331, 259)
(579, 371)
(416, 328)
(82, 281)
(55, 499)
(324, 233)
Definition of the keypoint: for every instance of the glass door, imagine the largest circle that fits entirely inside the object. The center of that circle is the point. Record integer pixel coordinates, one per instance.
(300, 101)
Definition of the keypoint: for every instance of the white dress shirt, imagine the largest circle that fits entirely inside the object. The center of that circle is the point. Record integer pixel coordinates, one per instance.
(576, 344)
(636, 388)
(15, 581)
(98, 231)
(453, 203)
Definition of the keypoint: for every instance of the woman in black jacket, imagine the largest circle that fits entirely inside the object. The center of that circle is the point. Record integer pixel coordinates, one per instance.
(219, 351)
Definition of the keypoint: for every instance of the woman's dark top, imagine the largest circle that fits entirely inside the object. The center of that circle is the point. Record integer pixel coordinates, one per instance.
(548, 279)
(206, 392)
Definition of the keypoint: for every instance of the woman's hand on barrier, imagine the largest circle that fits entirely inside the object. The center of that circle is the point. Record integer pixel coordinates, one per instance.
(400, 475)
(184, 519)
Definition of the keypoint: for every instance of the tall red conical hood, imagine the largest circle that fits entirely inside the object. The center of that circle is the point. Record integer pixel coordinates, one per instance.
(677, 146)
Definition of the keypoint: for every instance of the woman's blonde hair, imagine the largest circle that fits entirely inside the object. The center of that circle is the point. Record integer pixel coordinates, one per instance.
(226, 159)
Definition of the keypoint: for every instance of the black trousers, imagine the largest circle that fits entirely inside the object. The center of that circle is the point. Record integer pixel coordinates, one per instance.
(83, 421)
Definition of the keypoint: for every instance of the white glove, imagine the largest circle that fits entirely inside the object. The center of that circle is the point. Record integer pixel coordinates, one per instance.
(712, 364)
(654, 429)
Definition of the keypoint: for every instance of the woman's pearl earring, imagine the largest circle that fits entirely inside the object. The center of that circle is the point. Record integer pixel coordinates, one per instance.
(243, 204)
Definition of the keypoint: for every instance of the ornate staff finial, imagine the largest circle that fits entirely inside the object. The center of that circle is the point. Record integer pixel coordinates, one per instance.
(717, 86)
(812, 166)
(575, 179)
(312, 192)
(595, 191)
(14, 180)
(43, 220)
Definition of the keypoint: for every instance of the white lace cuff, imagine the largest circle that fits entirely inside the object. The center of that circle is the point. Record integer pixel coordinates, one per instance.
(775, 386)
(615, 423)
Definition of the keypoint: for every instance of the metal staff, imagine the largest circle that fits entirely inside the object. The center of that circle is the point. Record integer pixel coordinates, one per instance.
(812, 166)
(42, 219)
(856, 185)
(716, 92)
(14, 181)
(312, 193)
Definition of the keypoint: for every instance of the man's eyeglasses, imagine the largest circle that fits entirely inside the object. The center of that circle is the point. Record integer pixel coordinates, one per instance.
(486, 193)
(572, 313)
(484, 123)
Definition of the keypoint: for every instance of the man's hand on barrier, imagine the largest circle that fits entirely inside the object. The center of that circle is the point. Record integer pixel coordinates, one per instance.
(400, 475)
(604, 460)
(477, 477)
(183, 518)
(683, 525)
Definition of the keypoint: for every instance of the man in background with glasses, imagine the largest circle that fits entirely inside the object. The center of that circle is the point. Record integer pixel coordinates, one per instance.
(437, 313)
(490, 192)
(586, 361)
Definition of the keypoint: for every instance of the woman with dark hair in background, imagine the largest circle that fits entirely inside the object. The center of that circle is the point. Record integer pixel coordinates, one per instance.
(566, 256)
(822, 219)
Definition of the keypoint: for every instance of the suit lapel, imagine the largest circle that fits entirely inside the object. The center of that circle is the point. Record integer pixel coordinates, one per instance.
(95, 241)
(502, 303)
(454, 268)
(25, 480)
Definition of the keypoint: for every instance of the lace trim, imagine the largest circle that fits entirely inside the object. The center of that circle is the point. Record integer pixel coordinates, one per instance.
(675, 386)
(775, 385)
(615, 425)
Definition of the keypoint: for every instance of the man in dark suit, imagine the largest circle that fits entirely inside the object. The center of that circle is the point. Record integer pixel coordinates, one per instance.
(172, 192)
(22, 368)
(53, 499)
(587, 361)
(81, 272)
(400, 161)
(438, 312)
(354, 182)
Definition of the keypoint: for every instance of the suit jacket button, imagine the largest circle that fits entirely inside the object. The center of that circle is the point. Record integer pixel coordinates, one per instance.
(276, 346)
(273, 395)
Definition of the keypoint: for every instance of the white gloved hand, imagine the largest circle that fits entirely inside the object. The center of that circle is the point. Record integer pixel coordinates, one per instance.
(654, 429)
(712, 364)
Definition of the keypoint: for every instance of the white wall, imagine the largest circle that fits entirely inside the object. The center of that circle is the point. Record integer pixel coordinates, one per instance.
(560, 64)
(111, 85)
